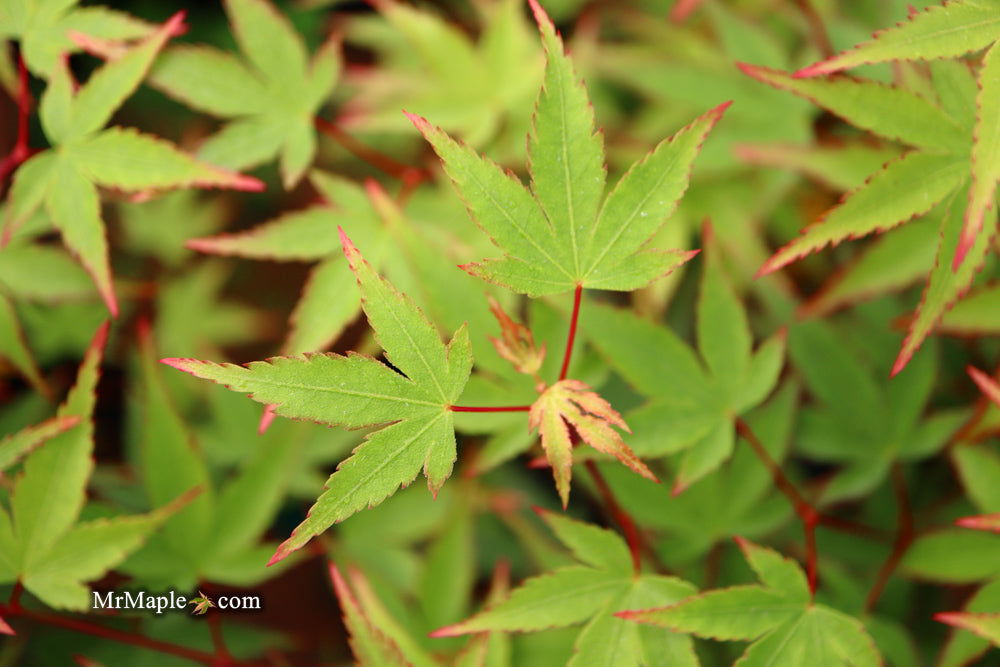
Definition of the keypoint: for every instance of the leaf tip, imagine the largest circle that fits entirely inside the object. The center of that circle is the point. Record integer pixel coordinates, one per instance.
(541, 17)
(904, 358)
(816, 69)
(680, 486)
(419, 122)
(5, 629)
(447, 631)
(350, 250)
(282, 552)
(266, 418)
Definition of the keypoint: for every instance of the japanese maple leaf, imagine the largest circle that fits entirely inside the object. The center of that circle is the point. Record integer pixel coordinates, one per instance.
(778, 617)
(603, 581)
(949, 30)
(43, 28)
(270, 97)
(564, 233)
(694, 398)
(64, 178)
(357, 391)
(42, 535)
(430, 65)
(962, 556)
(570, 408)
(951, 140)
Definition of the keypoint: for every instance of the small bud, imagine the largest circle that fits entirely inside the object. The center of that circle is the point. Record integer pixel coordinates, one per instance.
(516, 344)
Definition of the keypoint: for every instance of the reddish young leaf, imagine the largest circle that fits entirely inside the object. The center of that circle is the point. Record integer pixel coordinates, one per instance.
(568, 407)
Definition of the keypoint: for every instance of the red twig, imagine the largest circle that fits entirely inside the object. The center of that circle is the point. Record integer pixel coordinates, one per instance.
(122, 637)
(571, 337)
(409, 175)
(632, 536)
(816, 28)
(905, 534)
(21, 150)
(15, 596)
(807, 514)
(502, 408)
(222, 654)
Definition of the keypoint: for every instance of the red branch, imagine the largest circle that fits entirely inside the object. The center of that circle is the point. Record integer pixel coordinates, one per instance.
(410, 176)
(502, 408)
(21, 151)
(807, 514)
(624, 520)
(905, 535)
(574, 318)
(816, 28)
(93, 629)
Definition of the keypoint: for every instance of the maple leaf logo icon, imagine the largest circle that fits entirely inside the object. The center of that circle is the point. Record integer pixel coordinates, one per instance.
(201, 603)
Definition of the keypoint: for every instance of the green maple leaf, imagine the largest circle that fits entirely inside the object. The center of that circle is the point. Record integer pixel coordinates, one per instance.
(356, 391)
(956, 147)
(42, 543)
(778, 616)
(325, 307)
(859, 420)
(429, 65)
(64, 178)
(737, 499)
(44, 28)
(564, 233)
(693, 402)
(590, 593)
(270, 98)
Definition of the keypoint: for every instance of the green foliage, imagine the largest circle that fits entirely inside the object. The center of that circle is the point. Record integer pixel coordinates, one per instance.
(863, 464)
(270, 100)
(785, 626)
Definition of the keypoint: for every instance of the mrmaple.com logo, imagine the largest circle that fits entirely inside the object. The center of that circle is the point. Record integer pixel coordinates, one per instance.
(170, 600)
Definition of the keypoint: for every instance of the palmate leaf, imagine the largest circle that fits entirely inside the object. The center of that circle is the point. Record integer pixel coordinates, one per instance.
(692, 403)
(64, 179)
(778, 616)
(41, 542)
(328, 302)
(862, 421)
(590, 593)
(929, 177)
(947, 31)
(356, 391)
(270, 98)
(559, 235)
(44, 28)
(431, 66)
(569, 407)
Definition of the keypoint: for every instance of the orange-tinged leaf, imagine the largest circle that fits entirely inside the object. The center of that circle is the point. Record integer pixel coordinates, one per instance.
(516, 343)
(570, 407)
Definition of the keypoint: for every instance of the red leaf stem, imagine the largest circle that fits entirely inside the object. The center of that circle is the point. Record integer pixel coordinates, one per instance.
(112, 634)
(807, 514)
(905, 535)
(21, 151)
(409, 175)
(817, 30)
(571, 337)
(490, 408)
(632, 536)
